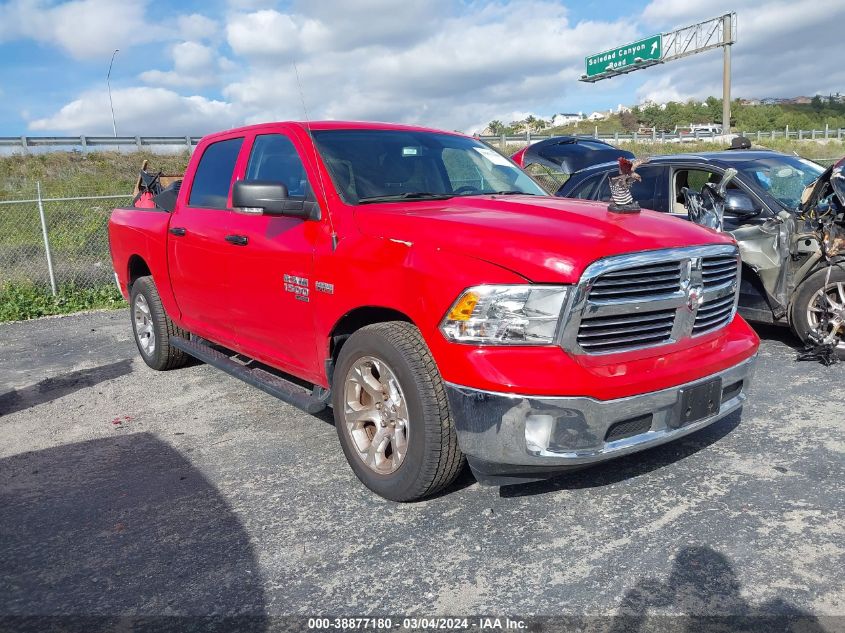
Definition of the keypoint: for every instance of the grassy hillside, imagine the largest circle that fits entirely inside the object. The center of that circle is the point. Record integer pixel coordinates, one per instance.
(79, 174)
(669, 116)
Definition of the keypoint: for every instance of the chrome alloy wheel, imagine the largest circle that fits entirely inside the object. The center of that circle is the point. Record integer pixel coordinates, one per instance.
(376, 415)
(834, 295)
(144, 325)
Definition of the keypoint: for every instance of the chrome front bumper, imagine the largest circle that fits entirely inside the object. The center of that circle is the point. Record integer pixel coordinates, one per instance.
(515, 435)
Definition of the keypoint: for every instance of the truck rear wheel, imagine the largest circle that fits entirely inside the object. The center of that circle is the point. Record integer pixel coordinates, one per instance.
(153, 328)
(823, 286)
(392, 414)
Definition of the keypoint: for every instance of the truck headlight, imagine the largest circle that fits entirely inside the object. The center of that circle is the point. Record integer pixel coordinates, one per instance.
(506, 315)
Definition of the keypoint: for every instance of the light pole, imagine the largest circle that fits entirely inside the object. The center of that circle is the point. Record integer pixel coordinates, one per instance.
(108, 84)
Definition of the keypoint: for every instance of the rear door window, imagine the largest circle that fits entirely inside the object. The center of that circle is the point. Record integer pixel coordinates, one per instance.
(650, 192)
(646, 191)
(213, 178)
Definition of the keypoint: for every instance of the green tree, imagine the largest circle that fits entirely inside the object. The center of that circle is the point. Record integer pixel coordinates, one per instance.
(629, 121)
(496, 127)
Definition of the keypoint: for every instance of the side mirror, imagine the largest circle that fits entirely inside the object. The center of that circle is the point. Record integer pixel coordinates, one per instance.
(263, 197)
(739, 204)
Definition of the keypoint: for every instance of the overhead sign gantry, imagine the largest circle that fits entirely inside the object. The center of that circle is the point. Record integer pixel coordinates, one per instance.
(666, 47)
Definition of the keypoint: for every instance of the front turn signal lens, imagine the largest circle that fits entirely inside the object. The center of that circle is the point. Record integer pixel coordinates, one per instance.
(462, 310)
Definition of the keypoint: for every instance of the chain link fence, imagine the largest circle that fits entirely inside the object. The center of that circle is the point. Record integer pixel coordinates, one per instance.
(53, 242)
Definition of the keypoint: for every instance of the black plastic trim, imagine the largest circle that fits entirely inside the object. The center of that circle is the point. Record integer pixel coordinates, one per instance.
(271, 383)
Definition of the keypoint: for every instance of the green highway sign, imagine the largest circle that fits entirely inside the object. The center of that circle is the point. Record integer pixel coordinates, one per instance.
(648, 49)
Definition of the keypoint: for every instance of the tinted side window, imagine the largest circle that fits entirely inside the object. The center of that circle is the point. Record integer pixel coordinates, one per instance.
(603, 193)
(585, 190)
(645, 190)
(213, 177)
(275, 158)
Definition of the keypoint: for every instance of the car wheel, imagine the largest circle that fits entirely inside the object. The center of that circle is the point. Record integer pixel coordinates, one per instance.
(153, 328)
(825, 286)
(392, 415)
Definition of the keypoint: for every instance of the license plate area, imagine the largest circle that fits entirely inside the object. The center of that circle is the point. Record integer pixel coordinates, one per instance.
(698, 402)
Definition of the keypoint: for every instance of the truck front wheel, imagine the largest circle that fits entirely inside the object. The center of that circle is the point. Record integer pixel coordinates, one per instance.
(392, 414)
(153, 328)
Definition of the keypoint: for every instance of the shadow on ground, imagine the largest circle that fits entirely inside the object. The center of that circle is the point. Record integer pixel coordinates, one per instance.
(61, 385)
(122, 527)
(704, 589)
(778, 333)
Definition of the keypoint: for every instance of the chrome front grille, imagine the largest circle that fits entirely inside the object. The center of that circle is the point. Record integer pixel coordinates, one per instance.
(602, 334)
(653, 298)
(637, 282)
(713, 314)
(718, 271)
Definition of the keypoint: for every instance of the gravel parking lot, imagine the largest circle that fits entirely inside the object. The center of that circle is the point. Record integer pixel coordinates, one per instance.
(129, 492)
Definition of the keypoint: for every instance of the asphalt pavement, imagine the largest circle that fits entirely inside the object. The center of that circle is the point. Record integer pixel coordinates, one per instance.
(129, 492)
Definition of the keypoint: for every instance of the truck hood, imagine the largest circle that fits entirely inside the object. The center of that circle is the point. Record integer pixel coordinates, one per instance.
(544, 239)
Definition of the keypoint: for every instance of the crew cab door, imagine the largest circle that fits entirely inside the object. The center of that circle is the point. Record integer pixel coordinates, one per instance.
(197, 246)
(271, 271)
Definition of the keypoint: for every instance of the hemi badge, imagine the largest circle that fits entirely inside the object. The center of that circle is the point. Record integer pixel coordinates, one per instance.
(322, 286)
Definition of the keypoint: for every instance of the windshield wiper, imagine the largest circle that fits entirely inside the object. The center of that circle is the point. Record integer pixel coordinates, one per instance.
(510, 192)
(410, 195)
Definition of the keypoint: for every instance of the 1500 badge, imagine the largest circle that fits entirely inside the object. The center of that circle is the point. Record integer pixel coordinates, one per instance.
(298, 286)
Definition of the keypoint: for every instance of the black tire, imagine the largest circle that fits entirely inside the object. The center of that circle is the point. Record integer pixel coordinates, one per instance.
(805, 294)
(433, 458)
(163, 355)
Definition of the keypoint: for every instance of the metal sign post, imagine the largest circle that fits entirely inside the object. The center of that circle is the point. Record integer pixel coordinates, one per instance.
(666, 47)
(726, 73)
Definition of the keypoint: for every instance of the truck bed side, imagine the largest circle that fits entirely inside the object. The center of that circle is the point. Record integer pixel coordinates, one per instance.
(138, 241)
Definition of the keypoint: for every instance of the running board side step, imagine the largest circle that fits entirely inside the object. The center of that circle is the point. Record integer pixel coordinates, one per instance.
(285, 390)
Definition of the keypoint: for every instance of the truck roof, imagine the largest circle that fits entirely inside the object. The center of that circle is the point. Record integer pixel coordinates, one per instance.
(333, 125)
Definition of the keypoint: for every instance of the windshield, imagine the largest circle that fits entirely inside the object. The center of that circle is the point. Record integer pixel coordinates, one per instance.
(383, 165)
(783, 177)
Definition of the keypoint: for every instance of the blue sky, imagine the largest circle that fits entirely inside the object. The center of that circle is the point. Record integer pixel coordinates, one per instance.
(195, 67)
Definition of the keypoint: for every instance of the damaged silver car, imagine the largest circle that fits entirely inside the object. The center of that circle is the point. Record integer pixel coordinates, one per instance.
(784, 212)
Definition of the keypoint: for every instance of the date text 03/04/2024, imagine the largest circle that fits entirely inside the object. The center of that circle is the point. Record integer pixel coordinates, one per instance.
(386, 623)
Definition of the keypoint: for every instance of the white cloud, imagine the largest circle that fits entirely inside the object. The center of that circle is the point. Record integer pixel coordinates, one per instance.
(445, 63)
(83, 28)
(194, 66)
(782, 49)
(269, 34)
(141, 111)
(460, 70)
(197, 27)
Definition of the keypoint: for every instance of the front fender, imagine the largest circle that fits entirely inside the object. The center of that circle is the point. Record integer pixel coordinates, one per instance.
(419, 281)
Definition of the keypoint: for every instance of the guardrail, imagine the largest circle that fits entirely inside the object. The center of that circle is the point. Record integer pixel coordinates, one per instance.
(26, 143)
(654, 136)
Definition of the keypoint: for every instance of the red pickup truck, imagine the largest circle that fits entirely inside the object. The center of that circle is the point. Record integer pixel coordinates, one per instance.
(426, 289)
